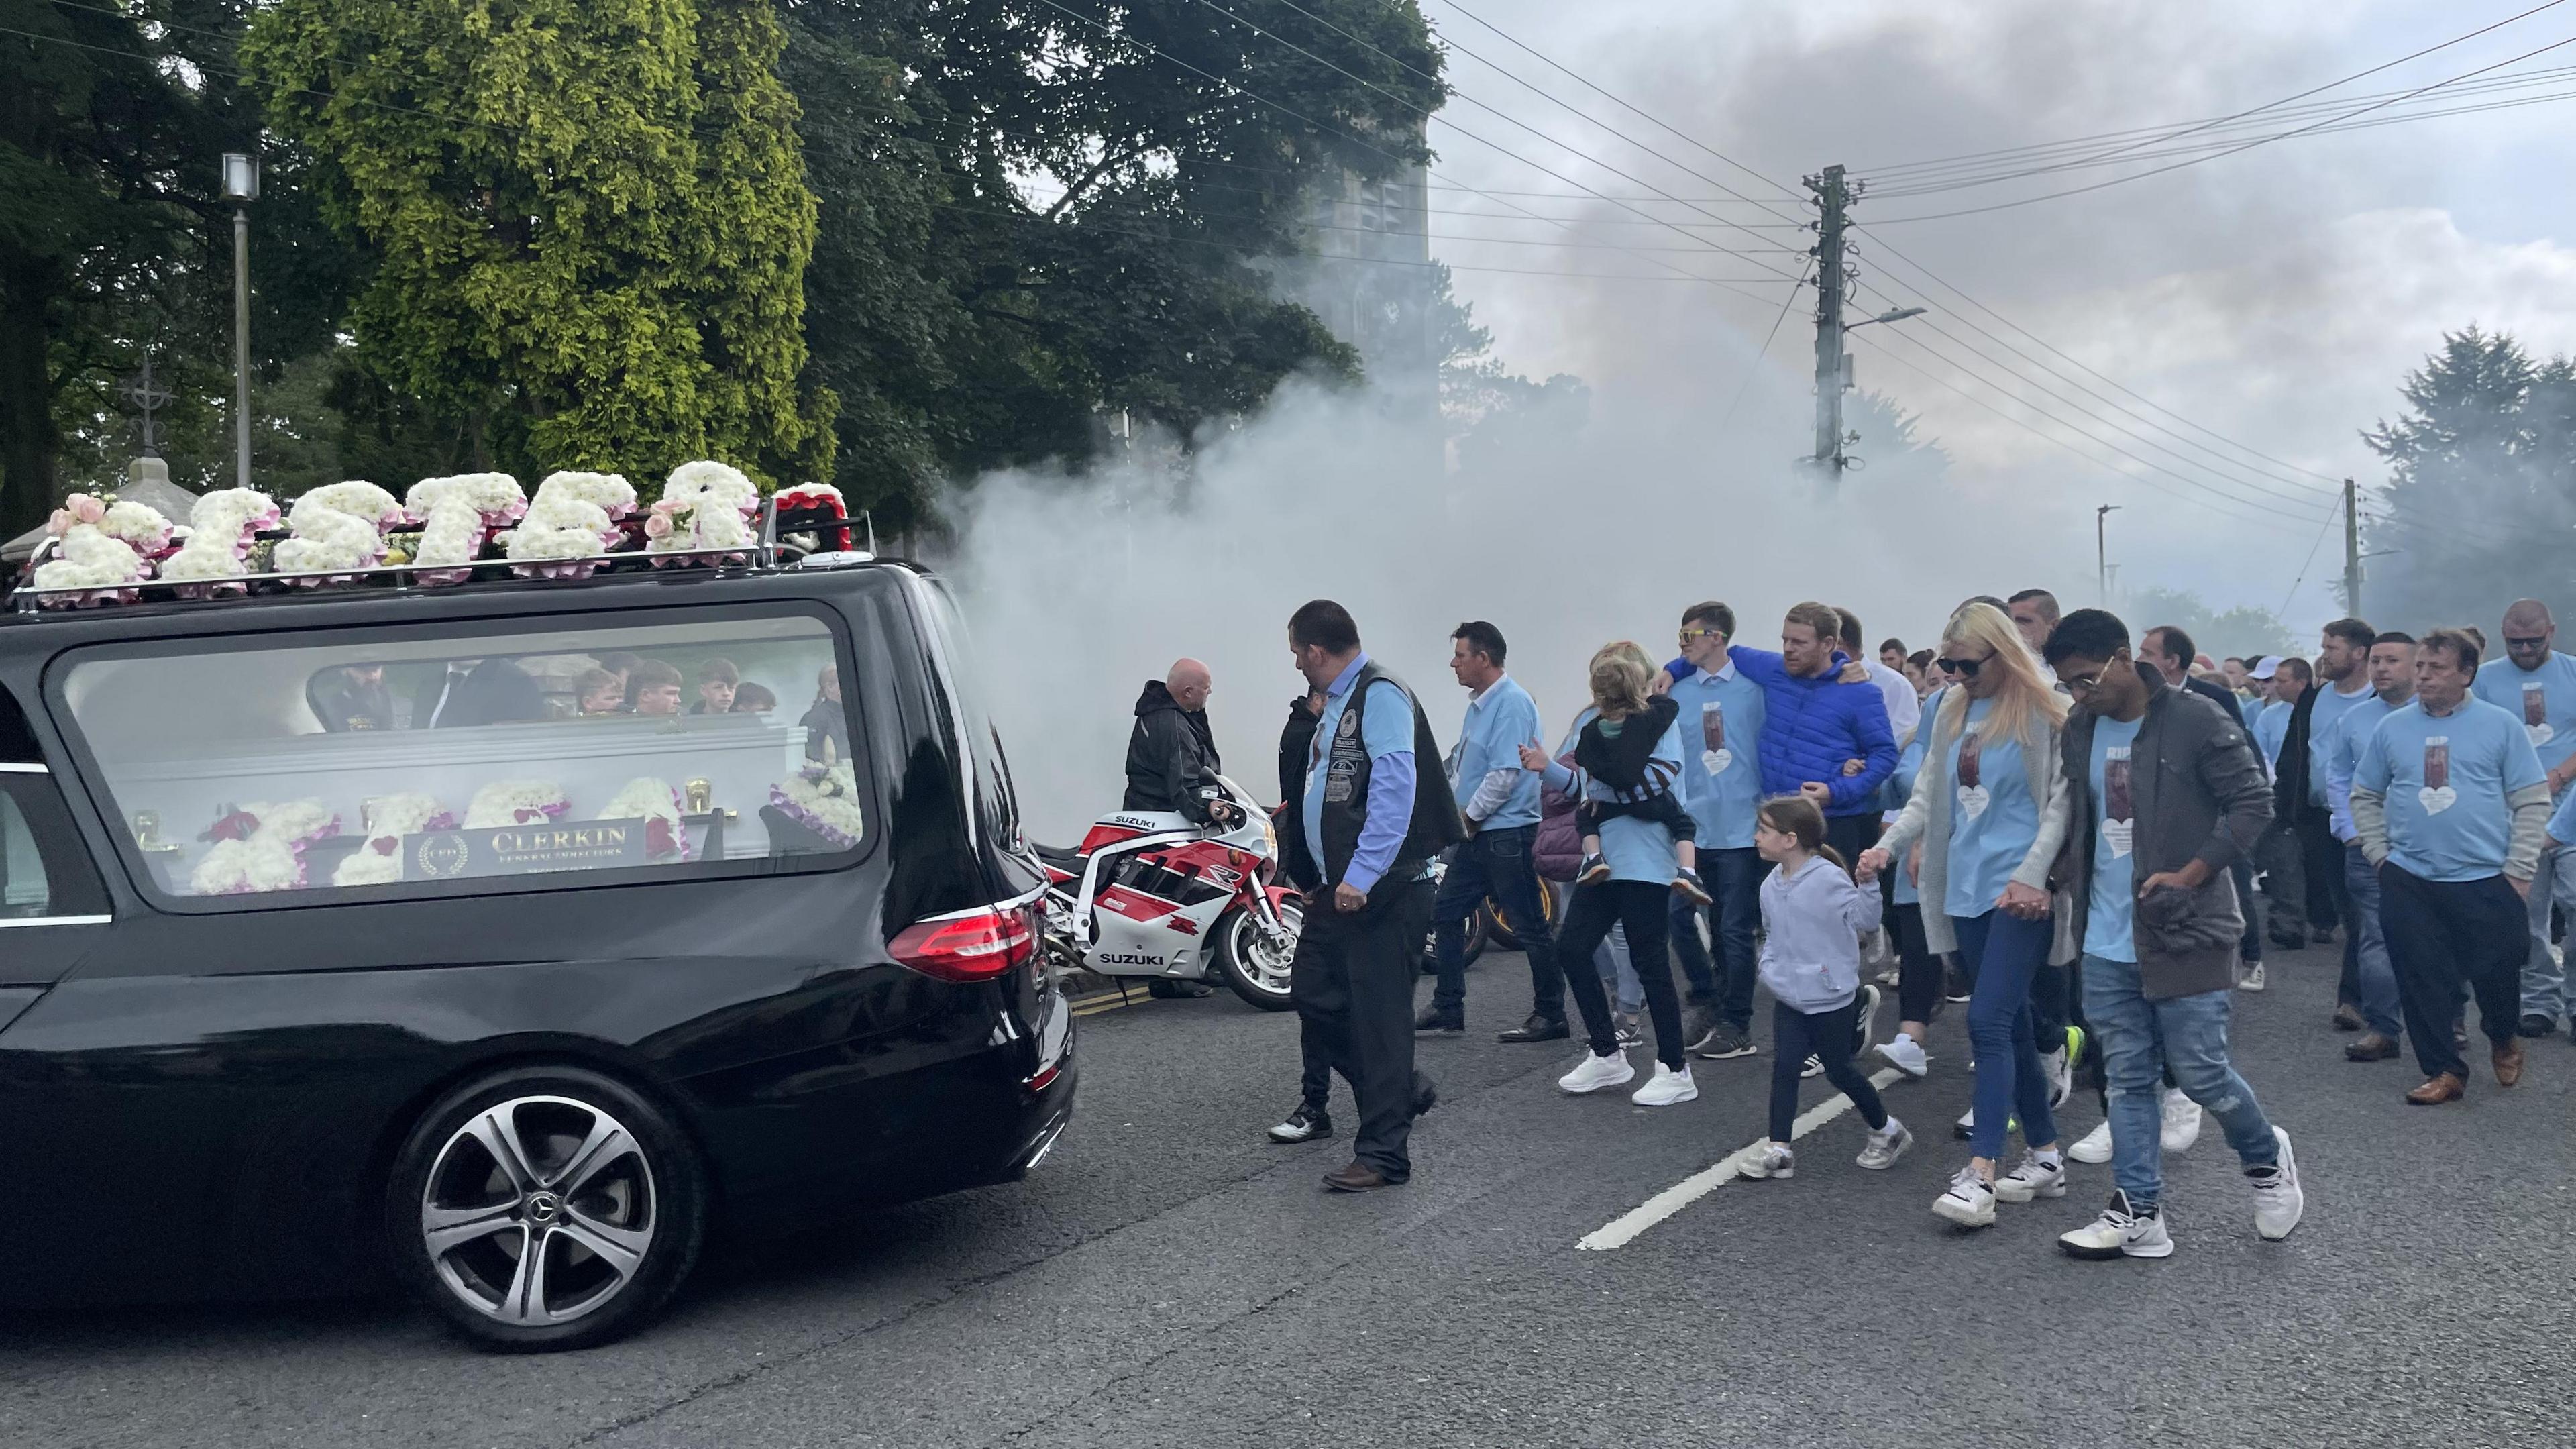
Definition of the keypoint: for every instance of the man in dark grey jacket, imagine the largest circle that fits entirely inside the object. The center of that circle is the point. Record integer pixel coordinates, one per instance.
(2166, 794)
(1171, 754)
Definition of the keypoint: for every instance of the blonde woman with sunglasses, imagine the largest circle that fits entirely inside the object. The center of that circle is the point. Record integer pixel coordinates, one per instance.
(1990, 808)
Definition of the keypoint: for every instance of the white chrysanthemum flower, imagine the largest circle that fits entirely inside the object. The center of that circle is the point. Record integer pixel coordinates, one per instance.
(87, 558)
(609, 491)
(515, 802)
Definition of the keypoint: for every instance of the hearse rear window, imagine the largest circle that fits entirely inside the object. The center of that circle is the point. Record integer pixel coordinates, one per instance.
(434, 755)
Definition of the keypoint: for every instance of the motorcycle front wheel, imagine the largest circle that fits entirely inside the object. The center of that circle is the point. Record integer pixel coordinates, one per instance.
(1253, 964)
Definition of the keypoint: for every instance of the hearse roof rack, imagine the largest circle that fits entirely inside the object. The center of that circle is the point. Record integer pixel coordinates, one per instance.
(775, 550)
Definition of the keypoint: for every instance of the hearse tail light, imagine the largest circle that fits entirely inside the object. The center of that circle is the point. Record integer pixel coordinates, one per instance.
(976, 946)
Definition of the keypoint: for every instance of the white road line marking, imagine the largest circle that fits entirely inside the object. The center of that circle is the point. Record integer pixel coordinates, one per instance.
(1619, 1232)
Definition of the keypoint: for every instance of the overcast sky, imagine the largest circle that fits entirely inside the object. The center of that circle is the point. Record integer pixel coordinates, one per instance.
(2275, 297)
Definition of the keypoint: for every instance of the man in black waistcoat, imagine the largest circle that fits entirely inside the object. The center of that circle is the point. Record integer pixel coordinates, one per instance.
(1368, 823)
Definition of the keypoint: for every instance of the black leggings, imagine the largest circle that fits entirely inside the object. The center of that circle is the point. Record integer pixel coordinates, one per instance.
(1828, 1035)
(1918, 971)
(1644, 908)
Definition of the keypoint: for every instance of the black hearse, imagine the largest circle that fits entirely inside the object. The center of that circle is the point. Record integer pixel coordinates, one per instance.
(372, 930)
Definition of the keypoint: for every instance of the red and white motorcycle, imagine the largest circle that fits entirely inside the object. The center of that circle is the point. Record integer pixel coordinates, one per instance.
(1151, 895)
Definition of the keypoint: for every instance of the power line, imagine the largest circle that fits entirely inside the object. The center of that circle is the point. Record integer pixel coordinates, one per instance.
(1454, 126)
(2376, 69)
(1971, 322)
(2333, 127)
(2245, 146)
(1553, 64)
(1753, 369)
(2054, 441)
(1105, 29)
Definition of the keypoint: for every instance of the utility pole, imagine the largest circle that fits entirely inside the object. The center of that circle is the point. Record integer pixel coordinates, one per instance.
(1833, 364)
(2102, 553)
(2351, 550)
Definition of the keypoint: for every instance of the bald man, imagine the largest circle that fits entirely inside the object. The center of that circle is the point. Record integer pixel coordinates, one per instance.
(1171, 757)
(2536, 684)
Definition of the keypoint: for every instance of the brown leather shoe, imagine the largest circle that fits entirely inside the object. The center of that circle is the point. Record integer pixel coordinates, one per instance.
(2370, 1047)
(2445, 1088)
(2508, 1063)
(1357, 1177)
(2347, 1017)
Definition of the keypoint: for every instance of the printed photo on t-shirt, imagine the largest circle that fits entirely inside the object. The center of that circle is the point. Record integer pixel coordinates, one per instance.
(1973, 796)
(2119, 811)
(1714, 756)
(2437, 795)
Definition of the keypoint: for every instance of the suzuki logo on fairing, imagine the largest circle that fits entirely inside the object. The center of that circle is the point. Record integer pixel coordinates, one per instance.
(1127, 958)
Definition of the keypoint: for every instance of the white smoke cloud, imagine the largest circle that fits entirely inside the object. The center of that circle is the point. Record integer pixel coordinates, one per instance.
(1082, 589)
(2277, 297)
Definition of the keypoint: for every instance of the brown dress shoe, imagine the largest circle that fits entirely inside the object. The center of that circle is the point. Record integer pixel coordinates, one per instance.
(1357, 1177)
(2508, 1063)
(2445, 1088)
(2347, 1017)
(2370, 1047)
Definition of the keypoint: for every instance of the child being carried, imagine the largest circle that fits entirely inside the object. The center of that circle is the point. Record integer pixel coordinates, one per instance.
(1619, 752)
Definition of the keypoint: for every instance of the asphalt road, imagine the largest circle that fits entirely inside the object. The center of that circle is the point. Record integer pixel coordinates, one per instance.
(1170, 1279)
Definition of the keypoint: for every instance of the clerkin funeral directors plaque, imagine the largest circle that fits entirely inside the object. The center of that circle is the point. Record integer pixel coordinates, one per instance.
(524, 849)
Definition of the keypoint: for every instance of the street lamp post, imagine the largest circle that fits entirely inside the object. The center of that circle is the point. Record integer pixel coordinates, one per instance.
(241, 187)
(2103, 553)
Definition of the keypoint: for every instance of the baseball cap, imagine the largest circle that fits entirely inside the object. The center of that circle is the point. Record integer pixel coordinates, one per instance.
(2265, 668)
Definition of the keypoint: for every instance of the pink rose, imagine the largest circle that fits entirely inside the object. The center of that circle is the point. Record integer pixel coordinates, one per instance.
(85, 508)
(61, 523)
(658, 526)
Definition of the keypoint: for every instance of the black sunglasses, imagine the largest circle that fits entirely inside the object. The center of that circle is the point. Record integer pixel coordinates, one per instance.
(1964, 668)
(2534, 642)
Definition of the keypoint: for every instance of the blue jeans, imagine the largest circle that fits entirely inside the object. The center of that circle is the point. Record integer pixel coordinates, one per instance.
(2544, 982)
(2378, 976)
(2001, 954)
(2140, 1038)
(1734, 880)
(1493, 863)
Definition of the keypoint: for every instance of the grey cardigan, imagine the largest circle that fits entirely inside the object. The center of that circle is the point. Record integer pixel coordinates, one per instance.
(1927, 818)
(2200, 793)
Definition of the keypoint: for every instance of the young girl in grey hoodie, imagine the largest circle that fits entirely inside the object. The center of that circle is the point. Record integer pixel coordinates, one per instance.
(1814, 916)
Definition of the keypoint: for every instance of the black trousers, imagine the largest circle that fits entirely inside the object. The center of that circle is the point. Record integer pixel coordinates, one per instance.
(1849, 835)
(2441, 933)
(1918, 971)
(1352, 980)
(2329, 903)
(1830, 1036)
(1644, 909)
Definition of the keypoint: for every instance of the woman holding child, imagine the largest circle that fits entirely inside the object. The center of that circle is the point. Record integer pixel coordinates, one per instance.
(1628, 752)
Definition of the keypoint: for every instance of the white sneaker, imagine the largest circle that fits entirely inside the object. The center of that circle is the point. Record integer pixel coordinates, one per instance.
(1970, 1202)
(2252, 980)
(2278, 1199)
(2059, 1066)
(2120, 1233)
(2182, 1120)
(2095, 1146)
(1594, 1073)
(1773, 1161)
(1813, 1067)
(1884, 1147)
(1667, 1086)
(2035, 1177)
(1868, 1000)
(1906, 1055)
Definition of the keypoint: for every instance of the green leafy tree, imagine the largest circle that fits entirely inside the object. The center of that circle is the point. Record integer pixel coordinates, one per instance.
(586, 224)
(2246, 631)
(108, 147)
(2481, 498)
(1037, 217)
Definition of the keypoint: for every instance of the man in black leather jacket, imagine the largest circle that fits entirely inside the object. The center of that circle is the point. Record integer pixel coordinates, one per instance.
(1171, 754)
(1170, 757)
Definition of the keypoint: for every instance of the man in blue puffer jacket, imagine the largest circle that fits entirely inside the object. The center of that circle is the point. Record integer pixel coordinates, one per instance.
(1815, 722)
